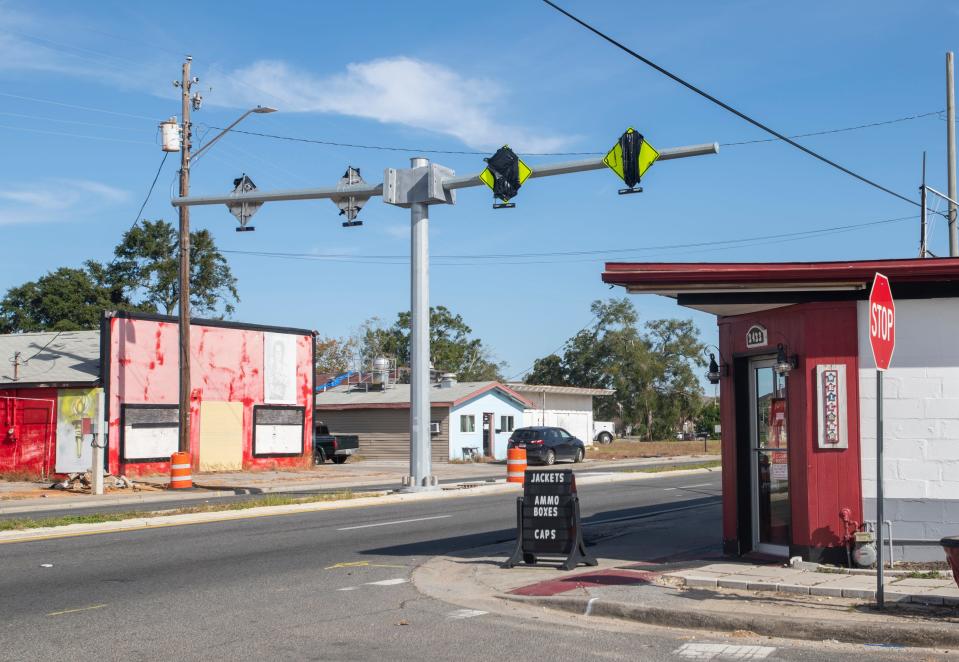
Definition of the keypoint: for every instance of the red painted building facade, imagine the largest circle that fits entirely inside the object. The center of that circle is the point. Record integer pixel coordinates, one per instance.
(251, 404)
(797, 399)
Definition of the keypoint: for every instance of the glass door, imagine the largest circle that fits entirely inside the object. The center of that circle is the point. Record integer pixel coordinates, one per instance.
(769, 458)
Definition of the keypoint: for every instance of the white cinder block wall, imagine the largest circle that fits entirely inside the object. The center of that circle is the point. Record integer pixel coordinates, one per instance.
(920, 426)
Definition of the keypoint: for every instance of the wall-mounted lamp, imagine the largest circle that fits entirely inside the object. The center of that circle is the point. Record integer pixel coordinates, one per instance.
(716, 370)
(784, 363)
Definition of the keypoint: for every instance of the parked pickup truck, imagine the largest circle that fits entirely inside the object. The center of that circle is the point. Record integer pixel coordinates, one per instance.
(336, 447)
(603, 431)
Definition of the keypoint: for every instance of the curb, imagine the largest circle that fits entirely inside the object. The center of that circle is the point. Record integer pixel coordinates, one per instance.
(907, 634)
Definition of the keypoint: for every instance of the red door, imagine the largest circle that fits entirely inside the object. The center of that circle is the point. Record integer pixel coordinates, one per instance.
(27, 426)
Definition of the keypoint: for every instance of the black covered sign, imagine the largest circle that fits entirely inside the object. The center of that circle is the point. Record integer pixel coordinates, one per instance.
(548, 519)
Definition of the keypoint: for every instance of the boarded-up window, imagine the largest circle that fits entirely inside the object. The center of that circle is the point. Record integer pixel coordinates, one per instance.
(277, 431)
(150, 433)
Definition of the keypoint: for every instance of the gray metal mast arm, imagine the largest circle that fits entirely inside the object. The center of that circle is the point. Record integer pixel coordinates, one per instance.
(369, 190)
(550, 169)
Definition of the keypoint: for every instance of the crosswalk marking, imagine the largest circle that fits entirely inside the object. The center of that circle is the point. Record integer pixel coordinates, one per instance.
(723, 652)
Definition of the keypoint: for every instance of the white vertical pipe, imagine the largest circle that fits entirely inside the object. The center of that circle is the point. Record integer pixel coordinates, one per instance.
(951, 148)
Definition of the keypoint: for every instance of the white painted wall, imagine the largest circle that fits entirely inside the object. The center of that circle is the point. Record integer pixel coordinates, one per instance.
(921, 404)
(574, 413)
(491, 401)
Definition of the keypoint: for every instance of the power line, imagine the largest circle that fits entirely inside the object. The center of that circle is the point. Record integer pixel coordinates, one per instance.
(830, 131)
(393, 148)
(386, 148)
(50, 342)
(523, 372)
(727, 107)
(719, 245)
(73, 135)
(75, 106)
(150, 192)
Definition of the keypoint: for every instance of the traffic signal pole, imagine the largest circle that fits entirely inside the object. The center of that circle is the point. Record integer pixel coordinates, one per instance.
(418, 187)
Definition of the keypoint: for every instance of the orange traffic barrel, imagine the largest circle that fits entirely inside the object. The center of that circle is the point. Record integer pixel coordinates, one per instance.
(515, 465)
(180, 471)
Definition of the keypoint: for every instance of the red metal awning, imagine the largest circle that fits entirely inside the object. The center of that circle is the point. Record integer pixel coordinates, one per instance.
(730, 288)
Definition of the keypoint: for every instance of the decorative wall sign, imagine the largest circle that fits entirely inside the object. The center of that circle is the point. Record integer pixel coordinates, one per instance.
(74, 448)
(279, 368)
(831, 406)
(757, 336)
(547, 519)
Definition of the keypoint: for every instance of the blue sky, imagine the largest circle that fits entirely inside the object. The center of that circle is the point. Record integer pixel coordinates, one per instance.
(82, 88)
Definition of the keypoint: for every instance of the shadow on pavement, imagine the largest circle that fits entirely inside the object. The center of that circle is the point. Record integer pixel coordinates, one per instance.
(644, 534)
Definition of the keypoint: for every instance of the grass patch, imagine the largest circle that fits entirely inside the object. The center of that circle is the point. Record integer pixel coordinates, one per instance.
(927, 574)
(22, 523)
(622, 450)
(712, 464)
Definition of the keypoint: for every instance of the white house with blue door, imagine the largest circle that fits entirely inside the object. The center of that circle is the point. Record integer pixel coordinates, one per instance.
(467, 419)
(482, 419)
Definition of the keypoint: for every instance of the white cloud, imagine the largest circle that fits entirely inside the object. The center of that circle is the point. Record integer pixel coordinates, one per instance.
(395, 90)
(398, 90)
(56, 200)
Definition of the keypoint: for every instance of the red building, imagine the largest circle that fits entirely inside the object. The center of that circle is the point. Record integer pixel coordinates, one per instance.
(251, 404)
(797, 387)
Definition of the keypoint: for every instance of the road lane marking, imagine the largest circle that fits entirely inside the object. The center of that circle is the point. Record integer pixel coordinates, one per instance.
(687, 487)
(723, 652)
(348, 588)
(460, 614)
(399, 521)
(362, 564)
(667, 489)
(73, 611)
(388, 582)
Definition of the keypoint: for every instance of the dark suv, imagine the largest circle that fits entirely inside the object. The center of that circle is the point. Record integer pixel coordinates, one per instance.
(546, 445)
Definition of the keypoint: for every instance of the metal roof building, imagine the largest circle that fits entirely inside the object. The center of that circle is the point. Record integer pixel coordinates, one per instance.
(49, 359)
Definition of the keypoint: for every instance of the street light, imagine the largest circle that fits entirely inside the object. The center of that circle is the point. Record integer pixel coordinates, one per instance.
(258, 109)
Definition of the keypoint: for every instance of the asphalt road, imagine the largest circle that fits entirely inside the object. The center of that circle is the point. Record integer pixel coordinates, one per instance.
(496, 472)
(289, 587)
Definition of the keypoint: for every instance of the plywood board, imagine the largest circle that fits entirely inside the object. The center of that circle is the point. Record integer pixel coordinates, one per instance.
(221, 436)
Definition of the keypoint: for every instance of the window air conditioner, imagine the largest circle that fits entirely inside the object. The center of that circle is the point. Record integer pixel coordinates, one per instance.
(434, 427)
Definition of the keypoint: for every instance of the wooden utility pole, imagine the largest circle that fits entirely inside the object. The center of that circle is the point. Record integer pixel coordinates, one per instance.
(184, 258)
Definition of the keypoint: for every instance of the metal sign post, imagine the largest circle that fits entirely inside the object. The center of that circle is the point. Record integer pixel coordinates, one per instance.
(882, 339)
(416, 188)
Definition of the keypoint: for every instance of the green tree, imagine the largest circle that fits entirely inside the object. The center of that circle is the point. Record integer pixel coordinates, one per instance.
(708, 417)
(452, 346)
(62, 300)
(146, 267)
(547, 370)
(650, 368)
(334, 355)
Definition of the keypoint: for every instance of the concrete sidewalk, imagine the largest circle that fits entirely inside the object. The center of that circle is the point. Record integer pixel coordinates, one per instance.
(32, 497)
(687, 588)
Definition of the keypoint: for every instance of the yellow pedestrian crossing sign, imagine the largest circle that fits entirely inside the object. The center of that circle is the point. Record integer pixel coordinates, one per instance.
(630, 158)
(505, 172)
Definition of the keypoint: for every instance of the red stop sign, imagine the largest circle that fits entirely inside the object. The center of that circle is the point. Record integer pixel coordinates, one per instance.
(882, 322)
